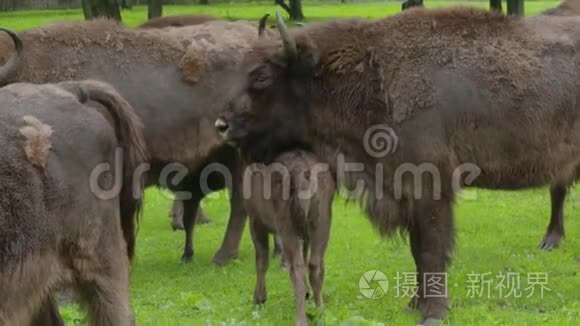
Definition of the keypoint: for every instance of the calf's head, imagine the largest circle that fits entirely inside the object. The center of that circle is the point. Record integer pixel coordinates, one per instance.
(270, 111)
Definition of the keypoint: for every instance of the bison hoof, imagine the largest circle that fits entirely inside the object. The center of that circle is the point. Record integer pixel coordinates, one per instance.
(222, 258)
(430, 322)
(413, 304)
(551, 240)
(186, 259)
(259, 299)
(187, 256)
(176, 226)
(202, 219)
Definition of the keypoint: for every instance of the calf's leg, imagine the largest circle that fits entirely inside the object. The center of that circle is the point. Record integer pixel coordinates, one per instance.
(555, 232)
(318, 244)
(292, 246)
(261, 246)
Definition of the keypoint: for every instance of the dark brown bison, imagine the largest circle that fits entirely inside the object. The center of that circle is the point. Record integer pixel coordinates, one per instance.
(455, 89)
(565, 8)
(555, 233)
(293, 198)
(177, 21)
(175, 79)
(61, 221)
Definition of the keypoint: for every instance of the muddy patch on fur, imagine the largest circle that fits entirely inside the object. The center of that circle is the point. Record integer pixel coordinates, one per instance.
(37, 145)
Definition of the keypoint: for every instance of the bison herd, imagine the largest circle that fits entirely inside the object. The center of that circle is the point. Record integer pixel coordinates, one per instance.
(93, 112)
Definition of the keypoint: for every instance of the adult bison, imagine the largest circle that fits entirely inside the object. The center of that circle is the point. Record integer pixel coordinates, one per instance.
(175, 79)
(177, 21)
(176, 211)
(458, 89)
(61, 220)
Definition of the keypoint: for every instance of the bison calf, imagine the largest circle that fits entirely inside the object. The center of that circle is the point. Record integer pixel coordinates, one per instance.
(62, 222)
(291, 197)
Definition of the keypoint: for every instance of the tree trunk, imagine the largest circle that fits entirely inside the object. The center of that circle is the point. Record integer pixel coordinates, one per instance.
(126, 4)
(155, 8)
(204, 2)
(296, 8)
(495, 5)
(101, 8)
(515, 7)
(284, 6)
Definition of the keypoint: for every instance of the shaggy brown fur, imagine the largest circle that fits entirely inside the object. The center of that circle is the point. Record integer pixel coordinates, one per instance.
(177, 21)
(456, 85)
(565, 8)
(37, 141)
(54, 229)
(293, 199)
(175, 78)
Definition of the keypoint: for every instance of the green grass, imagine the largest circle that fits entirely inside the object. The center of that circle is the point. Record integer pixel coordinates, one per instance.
(29, 19)
(497, 232)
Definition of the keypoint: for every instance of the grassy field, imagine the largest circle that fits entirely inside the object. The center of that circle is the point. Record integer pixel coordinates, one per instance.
(29, 19)
(497, 233)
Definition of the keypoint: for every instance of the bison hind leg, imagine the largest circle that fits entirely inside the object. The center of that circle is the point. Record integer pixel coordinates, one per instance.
(555, 231)
(106, 300)
(103, 283)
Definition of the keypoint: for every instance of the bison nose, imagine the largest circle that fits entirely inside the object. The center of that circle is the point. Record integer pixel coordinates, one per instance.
(221, 125)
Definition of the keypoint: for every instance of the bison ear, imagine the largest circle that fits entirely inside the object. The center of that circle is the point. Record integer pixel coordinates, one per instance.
(308, 54)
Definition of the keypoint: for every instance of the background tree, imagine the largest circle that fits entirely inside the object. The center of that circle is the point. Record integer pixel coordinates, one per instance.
(204, 2)
(126, 4)
(294, 9)
(101, 8)
(155, 8)
(495, 5)
(515, 7)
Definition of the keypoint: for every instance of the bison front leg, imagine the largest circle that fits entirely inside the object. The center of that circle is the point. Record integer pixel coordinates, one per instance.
(176, 215)
(201, 217)
(555, 232)
(236, 223)
(431, 244)
(190, 208)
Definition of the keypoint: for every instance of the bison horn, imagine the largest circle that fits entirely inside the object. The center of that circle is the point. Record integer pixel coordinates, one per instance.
(289, 44)
(15, 59)
(262, 25)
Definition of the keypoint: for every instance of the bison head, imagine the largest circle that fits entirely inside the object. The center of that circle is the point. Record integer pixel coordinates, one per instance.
(270, 111)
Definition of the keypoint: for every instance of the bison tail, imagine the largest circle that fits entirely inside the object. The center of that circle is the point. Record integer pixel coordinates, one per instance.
(12, 64)
(129, 131)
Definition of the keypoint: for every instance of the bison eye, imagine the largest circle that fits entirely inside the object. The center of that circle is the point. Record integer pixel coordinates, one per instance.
(260, 78)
